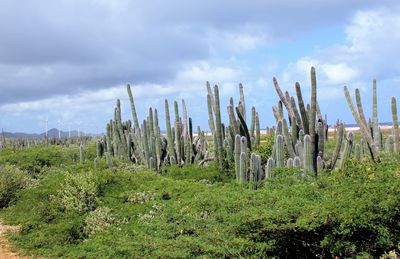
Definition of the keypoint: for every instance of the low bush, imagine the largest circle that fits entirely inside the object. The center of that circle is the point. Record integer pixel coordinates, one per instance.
(98, 220)
(78, 193)
(12, 181)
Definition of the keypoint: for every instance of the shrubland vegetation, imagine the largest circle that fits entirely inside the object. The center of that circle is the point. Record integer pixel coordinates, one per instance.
(293, 191)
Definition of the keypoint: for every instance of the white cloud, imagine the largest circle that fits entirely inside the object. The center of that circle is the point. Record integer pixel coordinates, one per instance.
(371, 51)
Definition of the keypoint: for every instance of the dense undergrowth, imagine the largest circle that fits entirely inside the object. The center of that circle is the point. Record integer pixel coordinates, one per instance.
(79, 210)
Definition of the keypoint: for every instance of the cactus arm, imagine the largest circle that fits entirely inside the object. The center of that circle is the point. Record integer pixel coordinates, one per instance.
(303, 111)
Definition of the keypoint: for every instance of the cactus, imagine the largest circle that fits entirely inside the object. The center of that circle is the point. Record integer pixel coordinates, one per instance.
(363, 127)
(313, 117)
(338, 146)
(244, 129)
(303, 111)
(258, 134)
(348, 146)
(134, 115)
(357, 152)
(243, 167)
(157, 140)
(321, 139)
(171, 149)
(290, 162)
(279, 151)
(242, 101)
(255, 171)
(308, 161)
(288, 139)
(218, 128)
(389, 145)
(81, 154)
(253, 121)
(109, 160)
(395, 126)
(269, 167)
(297, 162)
(283, 98)
(375, 123)
(320, 164)
(237, 156)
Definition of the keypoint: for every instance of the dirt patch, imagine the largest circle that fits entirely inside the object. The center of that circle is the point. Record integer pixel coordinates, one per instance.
(5, 247)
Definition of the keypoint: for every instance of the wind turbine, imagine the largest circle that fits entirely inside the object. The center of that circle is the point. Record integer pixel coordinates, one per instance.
(46, 123)
(79, 125)
(59, 129)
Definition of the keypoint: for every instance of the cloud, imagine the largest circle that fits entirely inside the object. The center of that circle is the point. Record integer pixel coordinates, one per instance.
(63, 47)
(369, 52)
(80, 54)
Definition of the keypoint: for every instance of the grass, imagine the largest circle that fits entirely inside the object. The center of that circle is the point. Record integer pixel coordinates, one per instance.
(201, 212)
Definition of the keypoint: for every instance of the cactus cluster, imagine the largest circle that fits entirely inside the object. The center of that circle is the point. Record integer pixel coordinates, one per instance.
(372, 142)
(302, 136)
(144, 143)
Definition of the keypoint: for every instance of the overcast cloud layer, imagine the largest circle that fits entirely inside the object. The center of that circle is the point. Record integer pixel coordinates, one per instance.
(69, 60)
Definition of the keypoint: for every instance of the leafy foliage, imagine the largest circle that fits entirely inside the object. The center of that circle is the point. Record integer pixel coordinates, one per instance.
(12, 180)
(198, 212)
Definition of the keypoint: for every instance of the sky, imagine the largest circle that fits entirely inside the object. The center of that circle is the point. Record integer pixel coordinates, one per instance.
(69, 60)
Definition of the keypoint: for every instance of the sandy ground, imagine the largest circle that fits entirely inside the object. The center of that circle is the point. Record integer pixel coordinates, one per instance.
(5, 247)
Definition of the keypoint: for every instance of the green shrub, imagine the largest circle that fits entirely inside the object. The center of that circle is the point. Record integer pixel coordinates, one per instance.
(78, 193)
(12, 180)
(98, 220)
(265, 148)
(140, 197)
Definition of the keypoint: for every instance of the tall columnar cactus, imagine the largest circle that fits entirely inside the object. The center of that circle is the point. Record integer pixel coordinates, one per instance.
(283, 98)
(170, 138)
(243, 128)
(237, 156)
(288, 139)
(255, 170)
(307, 160)
(258, 134)
(243, 167)
(81, 154)
(321, 140)
(134, 115)
(242, 101)
(375, 123)
(320, 164)
(338, 146)
(357, 152)
(395, 126)
(178, 141)
(297, 162)
(157, 140)
(218, 128)
(280, 157)
(210, 105)
(253, 121)
(109, 160)
(313, 117)
(303, 111)
(348, 147)
(389, 145)
(363, 127)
